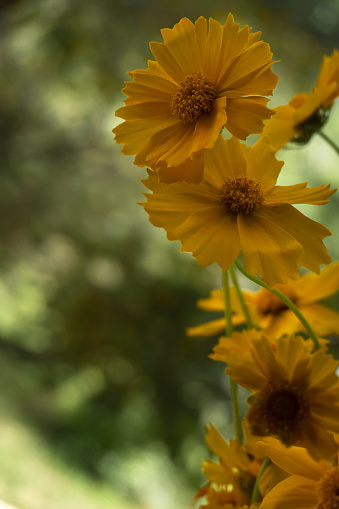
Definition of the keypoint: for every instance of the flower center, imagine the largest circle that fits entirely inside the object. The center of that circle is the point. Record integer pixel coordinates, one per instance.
(328, 488)
(241, 194)
(270, 304)
(279, 409)
(193, 98)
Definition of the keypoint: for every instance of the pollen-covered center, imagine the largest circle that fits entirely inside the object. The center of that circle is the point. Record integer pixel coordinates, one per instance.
(241, 194)
(279, 409)
(328, 488)
(193, 98)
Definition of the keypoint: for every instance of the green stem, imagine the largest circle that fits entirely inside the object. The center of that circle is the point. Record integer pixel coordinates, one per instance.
(227, 300)
(241, 298)
(256, 495)
(229, 332)
(285, 300)
(329, 141)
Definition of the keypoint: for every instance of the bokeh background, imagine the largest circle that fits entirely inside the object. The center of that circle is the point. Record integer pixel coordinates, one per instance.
(103, 400)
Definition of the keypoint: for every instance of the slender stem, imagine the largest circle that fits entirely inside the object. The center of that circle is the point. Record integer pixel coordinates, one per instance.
(286, 301)
(256, 495)
(227, 300)
(229, 332)
(241, 298)
(329, 141)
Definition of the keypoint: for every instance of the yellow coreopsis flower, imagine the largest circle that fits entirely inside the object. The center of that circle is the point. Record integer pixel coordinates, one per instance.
(238, 207)
(311, 484)
(198, 84)
(295, 393)
(231, 480)
(272, 315)
(306, 113)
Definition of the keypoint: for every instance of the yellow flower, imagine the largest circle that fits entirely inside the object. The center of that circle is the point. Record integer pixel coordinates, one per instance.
(311, 484)
(197, 85)
(295, 393)
(306, 113)
(270, 313)
(231, 480)
(238, 207)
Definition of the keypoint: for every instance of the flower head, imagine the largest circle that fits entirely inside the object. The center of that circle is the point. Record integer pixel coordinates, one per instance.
(238, 207)
(271, 314)
(232, 478)
(295, 393)
(311, 484)
(306, 113)
(198, 84)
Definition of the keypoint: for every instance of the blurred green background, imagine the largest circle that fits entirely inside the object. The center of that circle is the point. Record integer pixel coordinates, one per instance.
(103, 400)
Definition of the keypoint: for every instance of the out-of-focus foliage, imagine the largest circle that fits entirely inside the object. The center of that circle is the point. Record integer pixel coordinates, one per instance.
(94, 300)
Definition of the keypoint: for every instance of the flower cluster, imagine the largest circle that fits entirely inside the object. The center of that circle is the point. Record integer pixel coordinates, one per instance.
(183, 118)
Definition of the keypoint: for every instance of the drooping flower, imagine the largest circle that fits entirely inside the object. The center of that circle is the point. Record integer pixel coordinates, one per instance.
(295, 393)
(237, 207)
(232, 478)
(198, 84)
(311, 484)
(305, 114)
(271, 314)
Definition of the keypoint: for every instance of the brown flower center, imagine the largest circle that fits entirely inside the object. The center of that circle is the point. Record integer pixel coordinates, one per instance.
(241, 195)
(193, 98)
(328, 488)
(270, 304)
(279, 409)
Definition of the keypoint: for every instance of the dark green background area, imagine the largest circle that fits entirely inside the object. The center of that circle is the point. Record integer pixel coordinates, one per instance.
(94, 301)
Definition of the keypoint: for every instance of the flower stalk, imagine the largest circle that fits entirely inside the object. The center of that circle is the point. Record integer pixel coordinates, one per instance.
(285, 300)
(229, 331)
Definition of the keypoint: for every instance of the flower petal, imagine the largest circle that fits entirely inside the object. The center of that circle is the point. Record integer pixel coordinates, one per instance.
(246, 115)
(299, 193)
(262, 166)
(296, 491)
(183, 43)
(263, 240)
(211, 235)
(208, 127)
(312, 287)
(280, 128)
(225, 160)
(294, 460)
(306, 232)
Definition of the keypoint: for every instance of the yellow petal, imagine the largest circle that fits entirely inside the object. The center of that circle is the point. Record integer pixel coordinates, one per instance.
(189, 171)
(298, 193)
(183, 44)
(208, 127)
(246, 115)
(253, 59)
(312, 287)
(280, 128)
(262, 166)
(216, 472)
(133, 134)
(207, 329)
(259, 82)
(312, 102)
(172, 144)
(234, 42)
(262, 240)
(170, 204)
(297, 492)
(225, 160)
(294, 460)
(166, 60)
(323, 320)
(329, 70)
(306, 232)
(211, 236)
